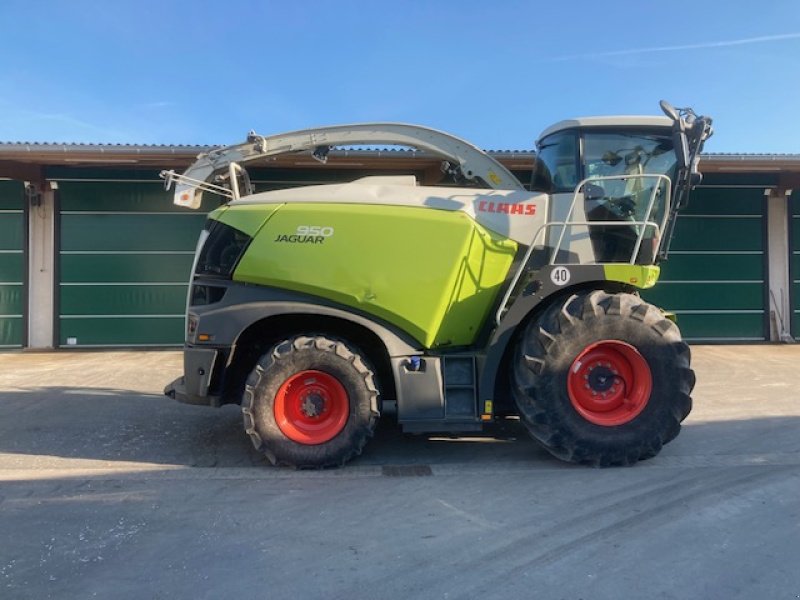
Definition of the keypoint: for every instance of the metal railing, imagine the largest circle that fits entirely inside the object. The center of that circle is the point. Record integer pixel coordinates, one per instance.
(643, 224)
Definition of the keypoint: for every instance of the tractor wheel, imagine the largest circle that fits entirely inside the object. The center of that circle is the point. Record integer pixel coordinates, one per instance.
(310, 402)
(602, 379)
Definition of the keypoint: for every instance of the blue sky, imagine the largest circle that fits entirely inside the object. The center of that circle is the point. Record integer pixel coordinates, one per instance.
(496, 73)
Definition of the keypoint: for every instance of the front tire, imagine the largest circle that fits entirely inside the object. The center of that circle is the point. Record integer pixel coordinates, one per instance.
(310, 402)
(602, 379)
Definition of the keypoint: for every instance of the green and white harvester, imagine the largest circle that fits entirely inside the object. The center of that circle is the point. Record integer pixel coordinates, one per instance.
(315, 308)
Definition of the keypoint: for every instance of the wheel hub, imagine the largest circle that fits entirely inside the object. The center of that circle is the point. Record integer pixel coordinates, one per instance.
(601, 378)
(609, 383)
(311, 407)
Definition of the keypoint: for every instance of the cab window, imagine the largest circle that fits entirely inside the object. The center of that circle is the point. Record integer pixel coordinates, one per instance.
(616, 154)
(556, 168)
(625, 155)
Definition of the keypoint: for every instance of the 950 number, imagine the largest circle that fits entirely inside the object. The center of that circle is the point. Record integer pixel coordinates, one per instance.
(314, 230)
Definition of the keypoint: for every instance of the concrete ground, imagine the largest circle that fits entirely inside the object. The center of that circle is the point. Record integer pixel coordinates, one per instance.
(110, 490)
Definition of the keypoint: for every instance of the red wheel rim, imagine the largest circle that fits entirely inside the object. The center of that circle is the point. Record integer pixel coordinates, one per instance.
(609, 383)
(311, 407)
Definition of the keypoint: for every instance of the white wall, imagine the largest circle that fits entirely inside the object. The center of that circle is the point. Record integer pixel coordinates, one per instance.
(41, 274)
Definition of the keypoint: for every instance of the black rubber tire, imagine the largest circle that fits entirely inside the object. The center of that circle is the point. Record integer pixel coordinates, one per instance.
(546, 352)
(292, 356)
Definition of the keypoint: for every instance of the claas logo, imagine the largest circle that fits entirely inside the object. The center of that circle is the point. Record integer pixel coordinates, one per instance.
(507, 208)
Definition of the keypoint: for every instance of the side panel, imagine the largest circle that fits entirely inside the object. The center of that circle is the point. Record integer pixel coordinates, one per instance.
(434, 274)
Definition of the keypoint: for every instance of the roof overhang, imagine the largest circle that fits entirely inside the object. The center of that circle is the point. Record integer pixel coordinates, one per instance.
(25, 160)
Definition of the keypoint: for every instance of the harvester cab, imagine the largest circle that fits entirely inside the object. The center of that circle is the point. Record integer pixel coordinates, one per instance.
(305, 309)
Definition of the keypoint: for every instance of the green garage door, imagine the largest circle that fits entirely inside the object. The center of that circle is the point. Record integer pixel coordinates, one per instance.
(715, 278)
(12, 264)
(794, 263)
(125, 256)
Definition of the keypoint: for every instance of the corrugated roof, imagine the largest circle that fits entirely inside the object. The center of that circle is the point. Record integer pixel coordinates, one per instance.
(51, 147)
(752, 155)
(82, 145)
(190, 150)
(96, 145)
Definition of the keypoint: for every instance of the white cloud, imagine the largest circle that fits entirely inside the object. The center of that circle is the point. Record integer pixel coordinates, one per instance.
(633, 51)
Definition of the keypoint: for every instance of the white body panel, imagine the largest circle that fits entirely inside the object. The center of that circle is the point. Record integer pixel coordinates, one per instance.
(518, 215)
(575, 237)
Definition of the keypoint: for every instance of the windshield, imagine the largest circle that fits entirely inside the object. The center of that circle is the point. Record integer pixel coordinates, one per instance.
(620, 165)
(605, 154)
(609, 154)
(629, 154)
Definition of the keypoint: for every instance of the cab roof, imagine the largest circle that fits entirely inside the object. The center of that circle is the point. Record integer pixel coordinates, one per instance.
(603, 122)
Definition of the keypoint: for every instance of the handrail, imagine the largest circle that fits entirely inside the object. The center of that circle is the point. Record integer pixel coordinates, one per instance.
(645, 224)
(624, 178)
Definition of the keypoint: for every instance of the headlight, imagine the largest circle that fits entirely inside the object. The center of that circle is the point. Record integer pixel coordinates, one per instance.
(206, 294)
(221, 251)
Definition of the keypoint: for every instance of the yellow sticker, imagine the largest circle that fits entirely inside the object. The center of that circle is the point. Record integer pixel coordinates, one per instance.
(488, 407)
(494, 178)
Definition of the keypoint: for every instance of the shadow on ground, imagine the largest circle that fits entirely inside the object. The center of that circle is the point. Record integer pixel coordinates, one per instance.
(125, 426)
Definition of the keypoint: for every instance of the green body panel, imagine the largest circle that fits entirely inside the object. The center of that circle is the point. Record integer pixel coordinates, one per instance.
(435, 274)
(247, 218)
(12, 263)
(641, 276)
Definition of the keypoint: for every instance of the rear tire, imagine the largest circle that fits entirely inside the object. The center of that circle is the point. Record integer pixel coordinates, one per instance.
(310, 402)
(602, 379)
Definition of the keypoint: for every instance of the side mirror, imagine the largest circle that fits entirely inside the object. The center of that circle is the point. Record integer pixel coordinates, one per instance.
(592, 191)
(669, 110)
